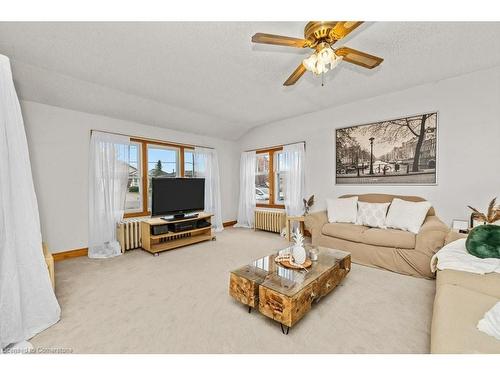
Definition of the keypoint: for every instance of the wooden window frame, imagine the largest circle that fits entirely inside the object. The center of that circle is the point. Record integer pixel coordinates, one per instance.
(272, 185)
(144, 169)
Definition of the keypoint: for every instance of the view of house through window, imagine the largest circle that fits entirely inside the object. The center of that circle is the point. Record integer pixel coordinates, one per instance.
(133, 200)
(163, 161)
(147, 159)
(188, 163)
(262, 179)
(269, 177)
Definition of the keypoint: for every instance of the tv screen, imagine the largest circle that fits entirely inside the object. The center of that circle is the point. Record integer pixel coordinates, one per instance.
(177, 195)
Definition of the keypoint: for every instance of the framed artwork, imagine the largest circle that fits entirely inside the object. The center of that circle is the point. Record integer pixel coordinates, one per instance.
(401, 151)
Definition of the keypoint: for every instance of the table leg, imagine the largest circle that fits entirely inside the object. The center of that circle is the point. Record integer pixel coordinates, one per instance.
(283, 329)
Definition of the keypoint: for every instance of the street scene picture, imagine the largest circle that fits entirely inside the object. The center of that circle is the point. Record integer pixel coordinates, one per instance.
(399, 151)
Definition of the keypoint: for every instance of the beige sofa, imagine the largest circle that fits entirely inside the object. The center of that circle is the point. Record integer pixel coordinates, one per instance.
(462, 299)
(390, 249)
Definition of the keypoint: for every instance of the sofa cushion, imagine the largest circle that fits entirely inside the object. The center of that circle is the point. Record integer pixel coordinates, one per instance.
(388, 238)
(345, 231)
(342, 210)
(487, 284)
(372, 214)
(456, 313)
(407, 215)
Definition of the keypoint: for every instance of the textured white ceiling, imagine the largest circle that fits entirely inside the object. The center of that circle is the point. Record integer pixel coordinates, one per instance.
(208, 78)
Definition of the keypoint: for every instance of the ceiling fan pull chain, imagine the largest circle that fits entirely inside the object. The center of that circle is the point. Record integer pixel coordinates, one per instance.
(322, 79)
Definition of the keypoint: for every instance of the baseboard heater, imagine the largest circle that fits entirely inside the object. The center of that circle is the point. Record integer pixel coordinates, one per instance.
(129, 233)
(270, 220)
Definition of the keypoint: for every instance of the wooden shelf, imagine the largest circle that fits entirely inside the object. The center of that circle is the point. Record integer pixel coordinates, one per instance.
(169, 245)
(175, 234)
(172, 240)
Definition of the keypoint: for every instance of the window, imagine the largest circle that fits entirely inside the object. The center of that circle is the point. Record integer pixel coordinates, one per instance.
(163, 161)
(188, 163)
(262, 179)
(279, 196)
(147, 159)
(133, 200)
(269, 178)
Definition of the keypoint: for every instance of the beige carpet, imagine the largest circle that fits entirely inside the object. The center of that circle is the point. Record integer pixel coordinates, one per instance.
(179, 303)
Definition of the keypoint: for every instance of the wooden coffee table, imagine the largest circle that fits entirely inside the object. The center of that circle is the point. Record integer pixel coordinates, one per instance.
(286, 295)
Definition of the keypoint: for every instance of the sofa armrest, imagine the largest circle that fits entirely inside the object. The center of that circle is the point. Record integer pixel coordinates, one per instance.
(314, 222)
(453, 236)
(432, 235)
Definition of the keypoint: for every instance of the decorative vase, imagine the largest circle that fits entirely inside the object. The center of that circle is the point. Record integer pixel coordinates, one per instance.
(484, 241)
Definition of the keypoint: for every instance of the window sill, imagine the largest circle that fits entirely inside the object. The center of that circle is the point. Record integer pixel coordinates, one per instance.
(136, 214)
(268, 205)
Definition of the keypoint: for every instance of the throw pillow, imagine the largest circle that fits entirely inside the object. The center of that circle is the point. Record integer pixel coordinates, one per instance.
(484, 241)
(372, 214)
(342, 210)
(407, 215)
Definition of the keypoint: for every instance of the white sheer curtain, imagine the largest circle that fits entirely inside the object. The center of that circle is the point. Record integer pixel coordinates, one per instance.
(247, 202)
(206, 165)
(108, 177)
(294, 184)
(27, 302)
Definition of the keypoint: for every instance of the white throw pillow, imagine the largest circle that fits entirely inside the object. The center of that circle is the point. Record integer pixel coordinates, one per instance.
(407, 215)
(372, 214)
(342, 210)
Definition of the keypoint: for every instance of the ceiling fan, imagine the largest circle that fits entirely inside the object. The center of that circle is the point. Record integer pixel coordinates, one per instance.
(320, 36)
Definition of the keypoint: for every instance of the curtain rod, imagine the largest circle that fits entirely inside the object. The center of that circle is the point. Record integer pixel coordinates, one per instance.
(150, 139)
(271, 147)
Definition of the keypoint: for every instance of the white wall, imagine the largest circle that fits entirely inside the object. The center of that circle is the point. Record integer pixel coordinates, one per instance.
(468, 144)
(58, 142)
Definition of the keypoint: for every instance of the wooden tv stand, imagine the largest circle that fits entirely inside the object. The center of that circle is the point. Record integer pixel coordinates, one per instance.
(157, 243)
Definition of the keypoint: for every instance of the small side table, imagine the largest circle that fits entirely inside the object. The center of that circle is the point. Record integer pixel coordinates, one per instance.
(289, 220)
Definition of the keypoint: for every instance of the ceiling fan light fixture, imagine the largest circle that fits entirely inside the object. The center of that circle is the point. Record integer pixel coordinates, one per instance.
(320, 36)
(328, 56)
(310, 62)
(322, 61)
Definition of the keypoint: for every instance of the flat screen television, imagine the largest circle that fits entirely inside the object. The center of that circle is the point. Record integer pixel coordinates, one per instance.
(174, 196)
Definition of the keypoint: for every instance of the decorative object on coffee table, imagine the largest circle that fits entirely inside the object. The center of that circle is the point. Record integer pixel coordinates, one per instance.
(285, 258)
(286, 295)
(288, 263)
(313, 254)
(298, 251)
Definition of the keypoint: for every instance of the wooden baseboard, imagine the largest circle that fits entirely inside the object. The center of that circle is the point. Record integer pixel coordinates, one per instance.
(229, 223)
(70, 254)
(84, 251)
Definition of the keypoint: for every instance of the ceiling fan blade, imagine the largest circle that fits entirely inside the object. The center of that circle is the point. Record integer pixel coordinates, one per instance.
(294, 77)
(279, 40)
(344, 28)
(356, 57)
